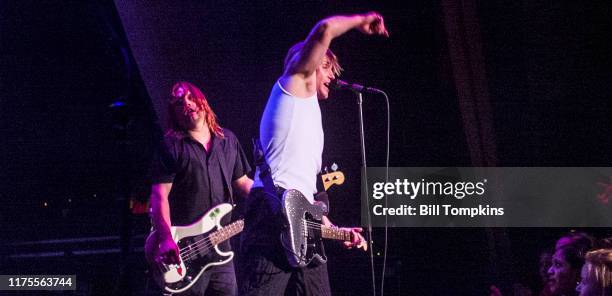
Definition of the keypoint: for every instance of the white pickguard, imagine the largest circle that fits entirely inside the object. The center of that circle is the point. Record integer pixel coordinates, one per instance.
(211, 220)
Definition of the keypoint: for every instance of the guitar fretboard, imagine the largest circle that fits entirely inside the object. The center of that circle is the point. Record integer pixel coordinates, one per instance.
(226, 232)
(335, 233)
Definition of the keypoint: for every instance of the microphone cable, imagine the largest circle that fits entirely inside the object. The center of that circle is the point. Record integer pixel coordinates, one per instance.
(369, 215)
(385, 241)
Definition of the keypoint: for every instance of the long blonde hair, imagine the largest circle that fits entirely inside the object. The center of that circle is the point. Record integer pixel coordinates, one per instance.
(599, 269)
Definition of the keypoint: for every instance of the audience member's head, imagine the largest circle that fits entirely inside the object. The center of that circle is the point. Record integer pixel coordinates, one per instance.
(596, 275)
(575, 238)
(567, 262)
(605, 243)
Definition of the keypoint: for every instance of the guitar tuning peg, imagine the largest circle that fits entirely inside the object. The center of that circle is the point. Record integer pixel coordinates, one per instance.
(334, 167)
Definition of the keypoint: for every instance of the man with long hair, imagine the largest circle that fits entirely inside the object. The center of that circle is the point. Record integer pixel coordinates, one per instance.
(291, 135)
(200, 167)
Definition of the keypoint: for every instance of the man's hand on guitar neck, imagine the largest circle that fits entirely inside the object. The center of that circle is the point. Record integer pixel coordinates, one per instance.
(358, 240)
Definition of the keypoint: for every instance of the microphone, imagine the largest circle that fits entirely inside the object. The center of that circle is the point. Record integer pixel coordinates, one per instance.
(338, 84)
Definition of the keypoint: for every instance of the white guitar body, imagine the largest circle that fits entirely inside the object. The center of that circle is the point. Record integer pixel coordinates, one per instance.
(199, 250)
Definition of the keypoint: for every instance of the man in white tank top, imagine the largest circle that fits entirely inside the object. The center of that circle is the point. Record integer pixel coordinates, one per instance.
(291, 135)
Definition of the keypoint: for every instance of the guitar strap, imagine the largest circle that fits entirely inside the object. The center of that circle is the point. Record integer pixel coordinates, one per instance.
(265, 174)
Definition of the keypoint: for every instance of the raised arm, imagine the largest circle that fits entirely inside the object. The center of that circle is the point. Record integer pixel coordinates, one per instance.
(303, 65)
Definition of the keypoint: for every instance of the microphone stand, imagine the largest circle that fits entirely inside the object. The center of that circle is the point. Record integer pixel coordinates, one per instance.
(364, 182)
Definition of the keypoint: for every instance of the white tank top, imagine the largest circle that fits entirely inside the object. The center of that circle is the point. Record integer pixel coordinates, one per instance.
(291, 135)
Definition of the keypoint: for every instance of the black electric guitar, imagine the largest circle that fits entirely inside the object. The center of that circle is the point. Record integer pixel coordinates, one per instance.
(303, 235)
(198, 246)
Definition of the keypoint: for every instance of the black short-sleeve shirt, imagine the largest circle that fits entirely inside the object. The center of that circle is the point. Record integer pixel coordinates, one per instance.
(200, 179)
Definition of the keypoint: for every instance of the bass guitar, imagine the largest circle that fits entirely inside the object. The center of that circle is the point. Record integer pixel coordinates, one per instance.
(198, 246)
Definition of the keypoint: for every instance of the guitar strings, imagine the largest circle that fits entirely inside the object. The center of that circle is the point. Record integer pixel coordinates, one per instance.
(206, 243)
(190, 249)
(317, 226)
(197, 246)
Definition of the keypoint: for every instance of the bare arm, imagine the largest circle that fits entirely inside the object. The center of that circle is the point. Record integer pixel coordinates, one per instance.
(243, 185)
(303, 65)
(160, 217)
(160, 208)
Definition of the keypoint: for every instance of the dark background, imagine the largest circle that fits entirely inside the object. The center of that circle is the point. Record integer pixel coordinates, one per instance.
(70, 161)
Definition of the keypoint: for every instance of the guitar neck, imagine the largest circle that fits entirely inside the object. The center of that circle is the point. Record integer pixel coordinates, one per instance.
(226, 232)
(336, 233)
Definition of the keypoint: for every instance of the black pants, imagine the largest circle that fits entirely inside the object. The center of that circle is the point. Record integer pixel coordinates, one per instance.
(266, 272)
(264, 268)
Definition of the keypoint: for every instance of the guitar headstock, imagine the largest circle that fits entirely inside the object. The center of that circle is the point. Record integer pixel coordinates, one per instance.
(333, 178)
